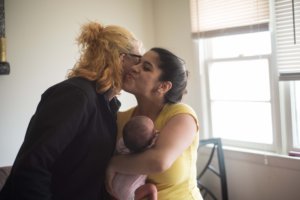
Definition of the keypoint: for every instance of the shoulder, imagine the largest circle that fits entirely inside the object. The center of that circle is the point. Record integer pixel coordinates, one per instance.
(178, 108)
(171, 110)
(85, 86)
(73, 86)
(78, 93)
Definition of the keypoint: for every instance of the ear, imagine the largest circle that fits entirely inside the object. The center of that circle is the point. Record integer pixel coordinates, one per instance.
(165, 86)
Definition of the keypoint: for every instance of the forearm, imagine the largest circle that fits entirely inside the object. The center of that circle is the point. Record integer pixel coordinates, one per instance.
(148, 162)
(174, 138)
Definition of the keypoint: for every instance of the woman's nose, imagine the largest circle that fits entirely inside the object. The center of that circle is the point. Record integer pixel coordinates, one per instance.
(135, 68)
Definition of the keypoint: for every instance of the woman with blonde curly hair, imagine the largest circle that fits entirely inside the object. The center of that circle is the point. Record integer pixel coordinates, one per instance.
(71, 137)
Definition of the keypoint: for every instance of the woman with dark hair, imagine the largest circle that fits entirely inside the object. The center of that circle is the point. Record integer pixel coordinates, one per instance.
(71, 137)
(158, 82)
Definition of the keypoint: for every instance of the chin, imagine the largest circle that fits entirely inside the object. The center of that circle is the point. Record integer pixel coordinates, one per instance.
(125, 88)
(127, 85)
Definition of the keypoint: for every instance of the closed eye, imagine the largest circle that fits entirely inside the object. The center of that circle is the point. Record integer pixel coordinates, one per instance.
(147, 66)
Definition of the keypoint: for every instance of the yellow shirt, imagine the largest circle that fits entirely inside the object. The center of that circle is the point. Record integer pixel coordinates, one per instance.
(179, 181)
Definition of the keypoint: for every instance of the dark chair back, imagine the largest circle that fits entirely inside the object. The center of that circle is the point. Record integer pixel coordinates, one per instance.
(4, 172)
(215, 147)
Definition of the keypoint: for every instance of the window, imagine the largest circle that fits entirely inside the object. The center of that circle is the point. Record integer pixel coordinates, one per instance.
(250, 75)
(238, 80)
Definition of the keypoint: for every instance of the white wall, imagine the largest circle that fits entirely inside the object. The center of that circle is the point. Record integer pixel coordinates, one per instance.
(173, 31)
(254, 175)
(41, 48)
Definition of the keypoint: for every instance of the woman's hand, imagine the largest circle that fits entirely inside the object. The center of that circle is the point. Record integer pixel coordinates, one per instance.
(110, 175)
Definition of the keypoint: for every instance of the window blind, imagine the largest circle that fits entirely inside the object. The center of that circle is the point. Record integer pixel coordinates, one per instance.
(287, 37)
(219, 17)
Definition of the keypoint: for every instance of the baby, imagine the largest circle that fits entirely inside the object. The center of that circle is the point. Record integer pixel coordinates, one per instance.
(138, 135)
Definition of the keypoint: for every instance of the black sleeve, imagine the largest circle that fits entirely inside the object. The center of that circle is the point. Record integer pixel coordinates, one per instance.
(61, 112)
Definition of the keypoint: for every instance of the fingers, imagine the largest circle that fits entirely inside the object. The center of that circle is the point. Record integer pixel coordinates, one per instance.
(110, 174)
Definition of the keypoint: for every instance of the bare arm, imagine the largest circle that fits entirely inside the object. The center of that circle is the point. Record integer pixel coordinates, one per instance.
(174, 138)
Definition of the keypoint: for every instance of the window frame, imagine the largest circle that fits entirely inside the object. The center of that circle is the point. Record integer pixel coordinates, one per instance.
(288, 129)
(204, 45)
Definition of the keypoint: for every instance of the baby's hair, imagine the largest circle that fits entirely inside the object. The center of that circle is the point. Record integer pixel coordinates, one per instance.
(138, 133)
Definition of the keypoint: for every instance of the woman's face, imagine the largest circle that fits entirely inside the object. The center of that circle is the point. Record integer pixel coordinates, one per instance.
(143, 79)
(132, 58)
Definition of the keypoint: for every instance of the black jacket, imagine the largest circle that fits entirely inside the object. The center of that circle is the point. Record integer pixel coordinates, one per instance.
(67, 146)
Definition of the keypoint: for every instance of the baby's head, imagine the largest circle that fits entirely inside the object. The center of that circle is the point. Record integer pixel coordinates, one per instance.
(138, 133)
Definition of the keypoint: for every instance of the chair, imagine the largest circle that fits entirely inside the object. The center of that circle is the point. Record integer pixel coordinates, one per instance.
(4, 172)
(213, 144)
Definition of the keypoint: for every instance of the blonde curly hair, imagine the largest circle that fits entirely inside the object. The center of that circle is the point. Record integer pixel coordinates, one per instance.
(100, 49)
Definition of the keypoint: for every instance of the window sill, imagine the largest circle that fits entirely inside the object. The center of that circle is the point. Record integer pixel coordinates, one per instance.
(262, 158)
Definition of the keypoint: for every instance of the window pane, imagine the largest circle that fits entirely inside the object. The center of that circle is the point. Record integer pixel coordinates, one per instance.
(296, 114)
(241, 45)
(243, 121)
(240, 80)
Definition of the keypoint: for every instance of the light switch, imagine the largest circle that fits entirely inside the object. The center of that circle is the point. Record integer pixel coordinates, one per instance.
(4, 68)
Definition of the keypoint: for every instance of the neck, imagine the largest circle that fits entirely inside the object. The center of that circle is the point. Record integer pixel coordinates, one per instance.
(150, 109)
